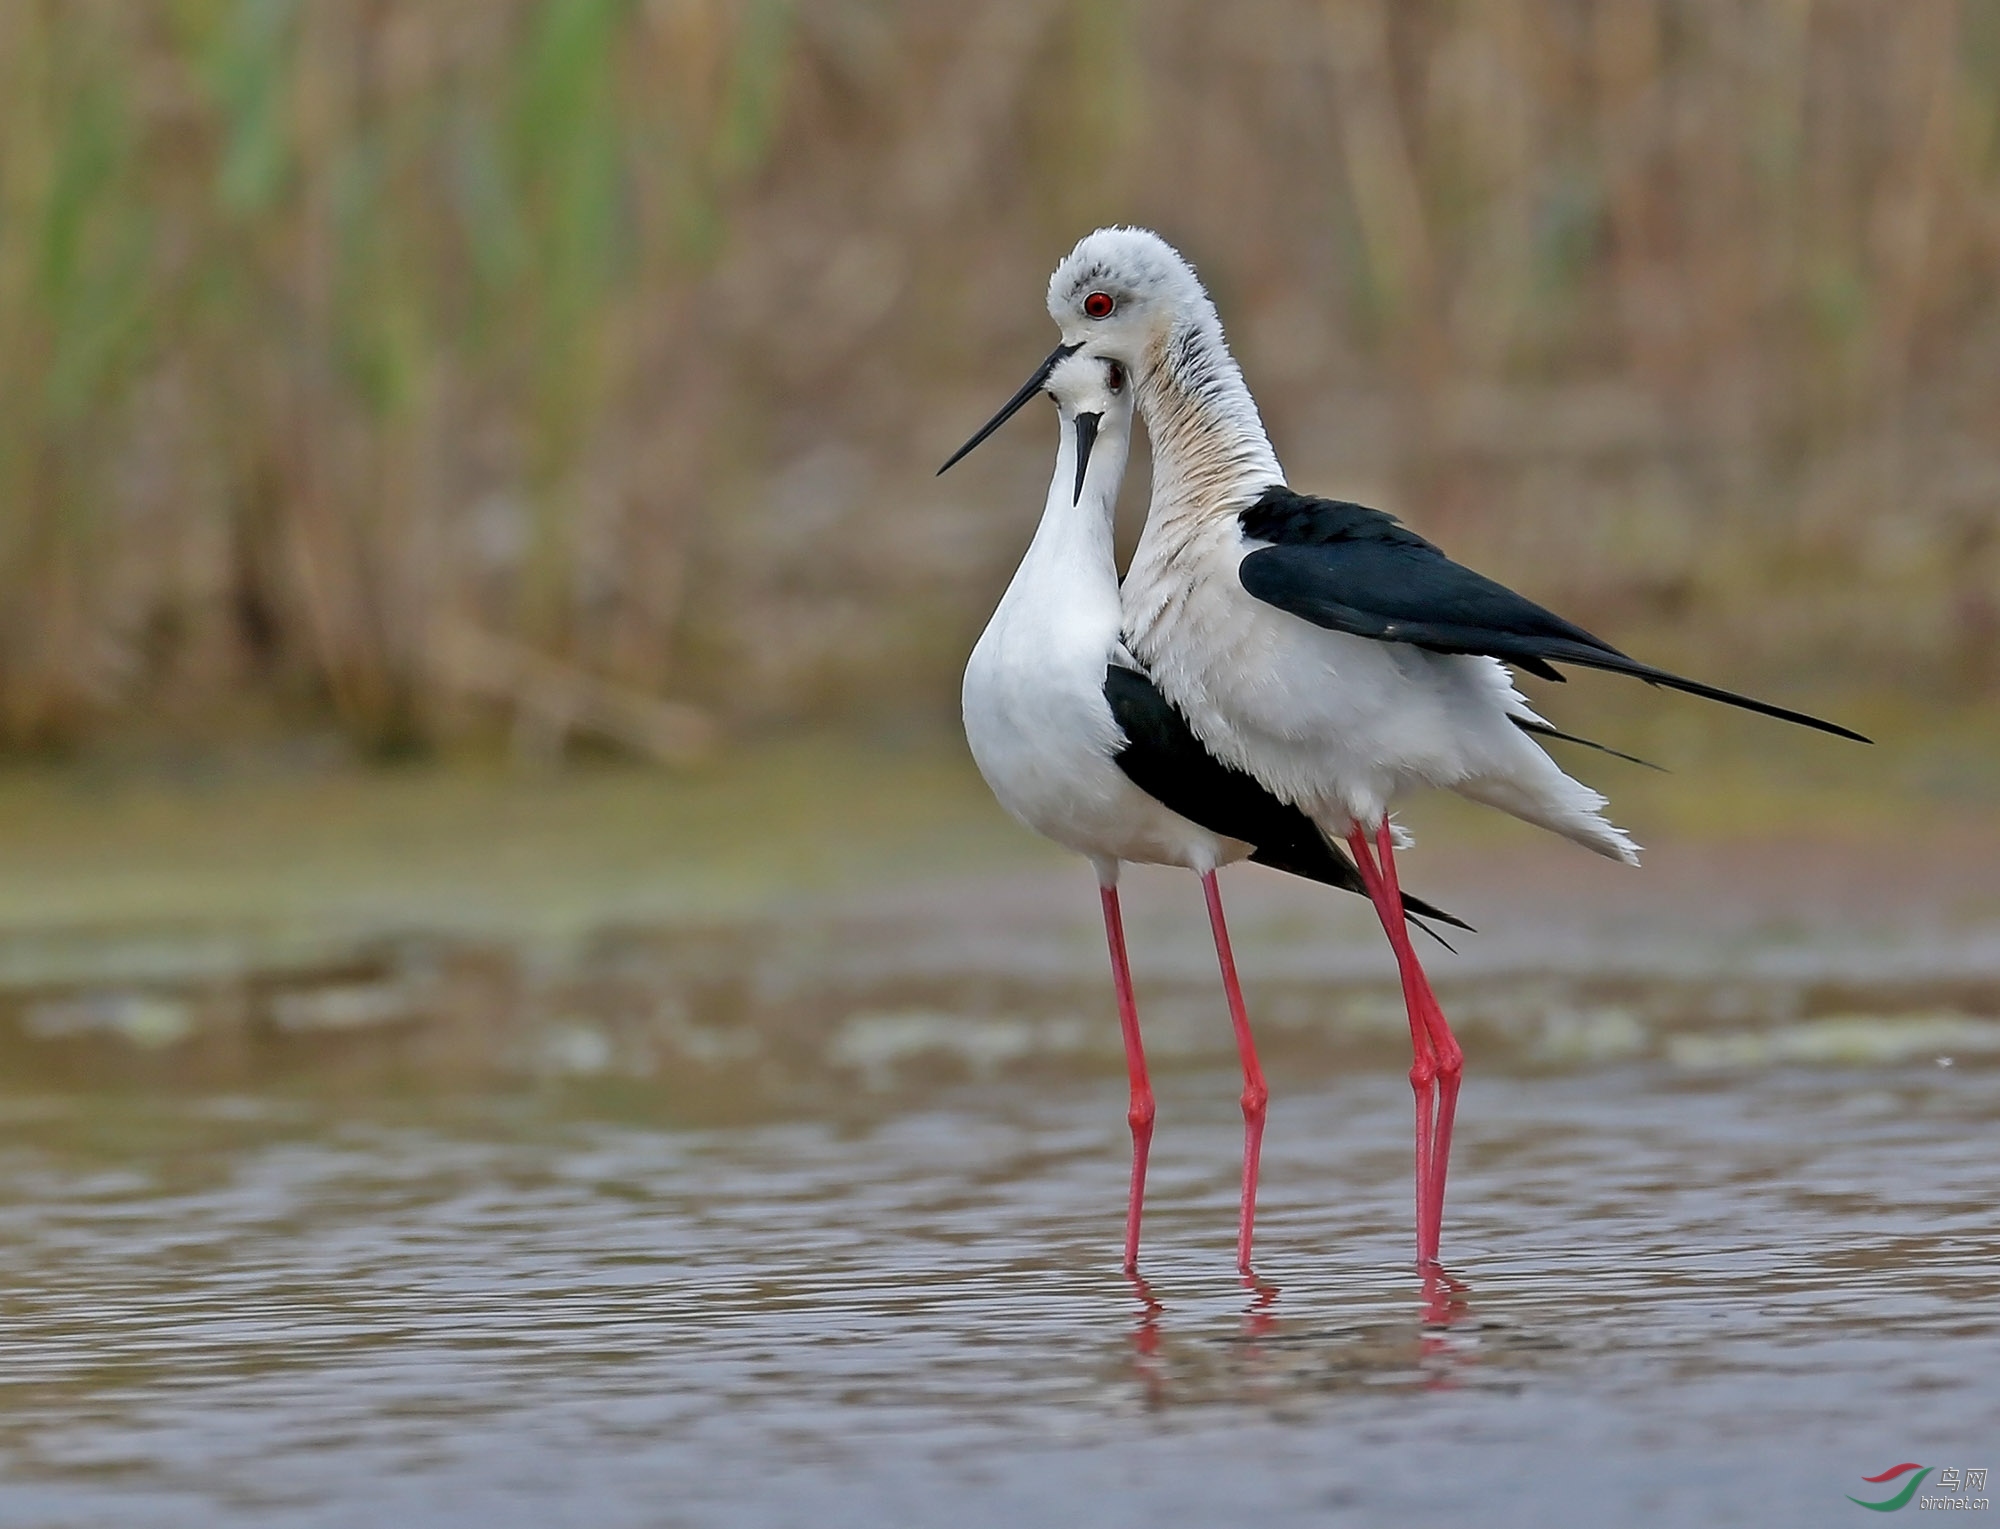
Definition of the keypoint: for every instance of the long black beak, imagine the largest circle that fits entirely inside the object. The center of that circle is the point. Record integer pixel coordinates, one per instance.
(1086, 437)
(1028, 390)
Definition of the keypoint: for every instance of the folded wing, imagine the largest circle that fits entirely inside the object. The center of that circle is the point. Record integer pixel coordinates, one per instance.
(1356, 570)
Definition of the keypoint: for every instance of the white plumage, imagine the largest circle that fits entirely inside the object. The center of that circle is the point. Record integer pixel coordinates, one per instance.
(1042, 731)
(1341, 726)
(1056, 747)
(1320, 647)
(1306, 662)
(1036, 716)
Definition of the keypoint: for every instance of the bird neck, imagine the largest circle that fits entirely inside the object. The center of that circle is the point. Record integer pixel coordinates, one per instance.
(1210, 453)
(1072, 550)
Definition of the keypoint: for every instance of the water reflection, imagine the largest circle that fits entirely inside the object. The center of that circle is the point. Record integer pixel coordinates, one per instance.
(1259, 1318)
(498, 1310)
(1425, 1342)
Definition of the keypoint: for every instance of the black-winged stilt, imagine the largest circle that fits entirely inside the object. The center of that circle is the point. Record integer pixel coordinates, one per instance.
(1078, 744)
(1321, 647)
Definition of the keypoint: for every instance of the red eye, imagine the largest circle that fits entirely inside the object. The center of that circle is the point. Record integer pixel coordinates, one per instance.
(1099, 305)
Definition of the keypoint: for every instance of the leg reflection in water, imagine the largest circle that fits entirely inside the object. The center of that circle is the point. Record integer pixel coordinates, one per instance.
(1272, 1358)
(1260, 1317)
(1444, 1304)
(1146, 1362)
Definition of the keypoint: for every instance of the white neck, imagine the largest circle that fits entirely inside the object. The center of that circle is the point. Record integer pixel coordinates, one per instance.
(1070, 566)
(1210, 453)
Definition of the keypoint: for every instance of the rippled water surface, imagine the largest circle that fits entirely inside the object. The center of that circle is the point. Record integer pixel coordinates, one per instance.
(1687, 1298)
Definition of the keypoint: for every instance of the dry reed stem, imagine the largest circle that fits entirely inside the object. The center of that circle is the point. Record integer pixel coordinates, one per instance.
(627, 330)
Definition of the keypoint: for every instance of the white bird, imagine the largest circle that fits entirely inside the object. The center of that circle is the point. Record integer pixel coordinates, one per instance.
(1067, 730)
(1321, 647)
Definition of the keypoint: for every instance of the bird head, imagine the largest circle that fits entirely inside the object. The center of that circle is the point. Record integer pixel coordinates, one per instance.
(1124, 294)
(1122, 297)
(1094, 397)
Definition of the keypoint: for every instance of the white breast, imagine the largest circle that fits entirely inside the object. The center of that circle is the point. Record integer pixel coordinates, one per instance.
(1043, 734)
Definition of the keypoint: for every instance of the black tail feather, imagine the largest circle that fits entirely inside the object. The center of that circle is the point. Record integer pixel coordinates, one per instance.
(1319, 861)
(1543, 730)
(1417, 923)
(1585, 657)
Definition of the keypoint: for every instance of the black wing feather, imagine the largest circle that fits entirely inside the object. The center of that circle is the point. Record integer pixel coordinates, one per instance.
(1163, 758)
(1352, 569)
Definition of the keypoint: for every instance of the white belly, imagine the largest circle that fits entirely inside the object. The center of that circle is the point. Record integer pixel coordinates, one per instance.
(1322, 717)
(1043, 736)
(1340, 726)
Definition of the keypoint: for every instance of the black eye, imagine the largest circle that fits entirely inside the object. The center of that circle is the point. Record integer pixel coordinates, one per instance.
(1099, 305)
(1115, 375)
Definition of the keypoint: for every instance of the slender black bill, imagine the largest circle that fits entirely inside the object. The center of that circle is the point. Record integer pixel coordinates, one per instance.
(1086, 437)
(1028, 390)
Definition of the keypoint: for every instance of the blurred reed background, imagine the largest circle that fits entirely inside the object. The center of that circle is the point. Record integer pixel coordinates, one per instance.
(459, 372)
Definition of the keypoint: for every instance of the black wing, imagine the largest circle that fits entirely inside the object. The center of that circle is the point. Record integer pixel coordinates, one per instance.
(1163, 758)
(1353, 569)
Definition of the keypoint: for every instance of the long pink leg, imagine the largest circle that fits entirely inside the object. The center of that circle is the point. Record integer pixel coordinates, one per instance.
(1438, 1056)
(1423, 1064)
(1140, 1114)
(1450, 1056)
(1255, 1094)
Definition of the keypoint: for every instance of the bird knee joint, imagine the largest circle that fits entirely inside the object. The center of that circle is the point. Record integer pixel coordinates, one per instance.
(1140, 1116)
(1423, 1072)
(1255, 1097)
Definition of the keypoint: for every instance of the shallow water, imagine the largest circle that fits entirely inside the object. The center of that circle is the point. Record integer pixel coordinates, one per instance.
(1687, 1298)
(609, 1151)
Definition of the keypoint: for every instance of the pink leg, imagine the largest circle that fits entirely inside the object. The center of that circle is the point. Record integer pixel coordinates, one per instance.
(1140, 1114)
(1255, 1094)
(1423, 1065)
(1450, 1057)
(1438, 1058)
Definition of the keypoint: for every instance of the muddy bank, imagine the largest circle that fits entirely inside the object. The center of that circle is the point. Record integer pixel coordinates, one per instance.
(1779, 952)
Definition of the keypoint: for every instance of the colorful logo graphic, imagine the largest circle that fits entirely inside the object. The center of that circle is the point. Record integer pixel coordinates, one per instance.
(1902, 1498)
